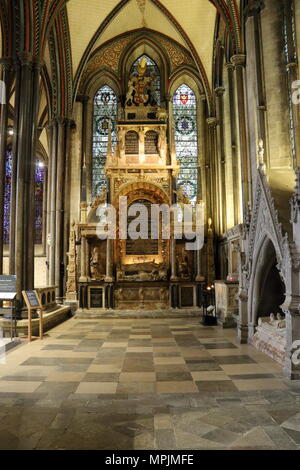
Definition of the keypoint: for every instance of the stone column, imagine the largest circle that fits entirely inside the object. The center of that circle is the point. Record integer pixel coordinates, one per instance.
(202, 149)
(211, 172)
(37, 64)
(221, 157)
(70, 126)
(24, 159)
(60, 213)
(83, 259)
(253, 10)
(84, 99)
(239, 62)
(5, 64)
(53, 174)
(109, 243)
(234, 153)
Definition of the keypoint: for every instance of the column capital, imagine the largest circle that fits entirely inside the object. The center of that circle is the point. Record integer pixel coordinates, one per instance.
(38, 62)
(238, 60)
(6, 64)
(229, 66)
(25, 58)
(212, 121)
(219, 91)
(62, 121)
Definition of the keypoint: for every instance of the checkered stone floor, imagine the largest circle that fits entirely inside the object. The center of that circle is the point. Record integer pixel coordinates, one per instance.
(145, 384)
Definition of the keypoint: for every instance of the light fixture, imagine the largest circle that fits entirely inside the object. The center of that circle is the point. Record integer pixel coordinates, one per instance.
(10, 130)
(41, 164)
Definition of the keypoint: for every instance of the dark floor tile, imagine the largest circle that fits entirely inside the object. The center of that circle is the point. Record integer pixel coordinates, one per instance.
(203, 366)
(295, 435)
(220, 346)
(216, 386)
(234, 360)
(101, 377)
(173, 376)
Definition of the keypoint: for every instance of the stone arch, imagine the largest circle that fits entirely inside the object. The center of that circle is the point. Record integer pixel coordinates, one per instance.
(144, 188)
(265, 258)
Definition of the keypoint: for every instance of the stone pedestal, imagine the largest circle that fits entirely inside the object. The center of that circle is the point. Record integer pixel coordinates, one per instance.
(226, 303)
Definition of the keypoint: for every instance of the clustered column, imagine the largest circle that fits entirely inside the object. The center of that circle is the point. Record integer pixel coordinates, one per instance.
(60, 129)
(239, 62)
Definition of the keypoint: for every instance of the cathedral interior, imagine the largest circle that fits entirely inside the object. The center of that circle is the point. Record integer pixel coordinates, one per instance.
(117, 103)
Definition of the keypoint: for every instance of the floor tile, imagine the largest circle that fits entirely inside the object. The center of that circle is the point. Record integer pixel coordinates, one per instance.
(97, 387)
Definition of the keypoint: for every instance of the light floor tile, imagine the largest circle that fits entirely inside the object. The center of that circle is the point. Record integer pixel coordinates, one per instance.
(236, 369)
(209, 375)
(259, 384)
(139, 349)
(176, 387)
(137, 377)
(18, 387)
(97, 387)
(169, 360)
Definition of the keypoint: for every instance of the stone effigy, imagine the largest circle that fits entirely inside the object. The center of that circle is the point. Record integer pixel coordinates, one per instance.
(270, 337)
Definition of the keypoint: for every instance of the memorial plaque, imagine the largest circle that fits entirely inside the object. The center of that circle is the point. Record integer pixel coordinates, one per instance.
(140, 246)
(96, 297)
(151, 143)
(187, 296)
(132, 143)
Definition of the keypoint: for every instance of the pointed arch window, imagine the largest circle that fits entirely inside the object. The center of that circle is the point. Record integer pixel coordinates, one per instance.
(105, 114)
(152, 71)
(186, 140)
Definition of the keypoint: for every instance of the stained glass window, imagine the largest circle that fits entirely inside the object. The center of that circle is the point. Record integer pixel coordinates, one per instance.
(39, 197)
(152, 71)
(39, 193)
(105, 115)
(8, 173)
(186, 139)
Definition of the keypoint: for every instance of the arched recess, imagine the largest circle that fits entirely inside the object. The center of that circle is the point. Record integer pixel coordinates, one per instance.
(262, 301)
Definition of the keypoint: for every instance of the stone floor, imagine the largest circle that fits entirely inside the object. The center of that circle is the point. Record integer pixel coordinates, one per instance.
(145, 384)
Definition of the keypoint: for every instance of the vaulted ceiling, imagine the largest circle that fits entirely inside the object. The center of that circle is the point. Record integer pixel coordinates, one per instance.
(190, 23)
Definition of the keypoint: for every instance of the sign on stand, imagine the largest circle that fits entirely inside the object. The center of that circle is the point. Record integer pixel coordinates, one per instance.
(33, 303)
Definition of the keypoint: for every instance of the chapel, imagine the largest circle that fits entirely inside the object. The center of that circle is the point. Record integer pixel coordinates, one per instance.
(150, 173)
